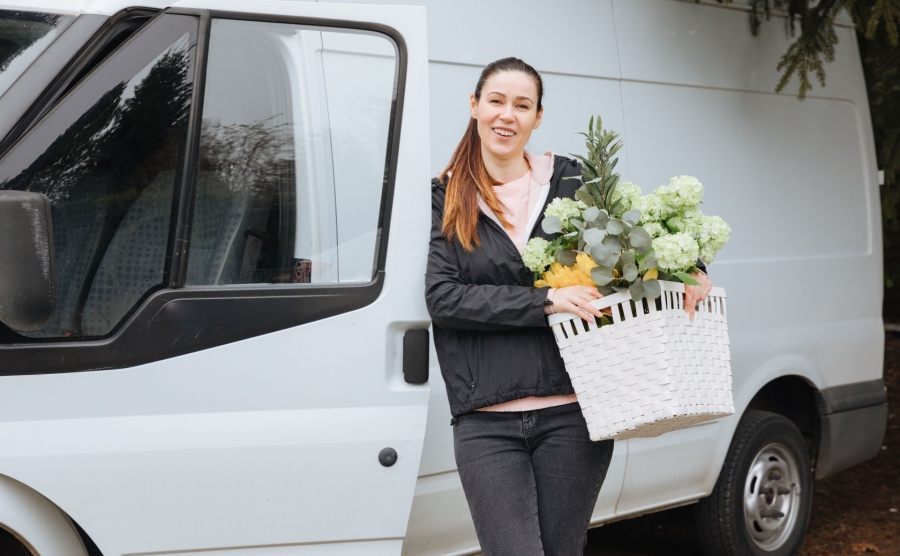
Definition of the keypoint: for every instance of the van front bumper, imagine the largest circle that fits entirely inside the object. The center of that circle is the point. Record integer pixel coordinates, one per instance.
(853, 419)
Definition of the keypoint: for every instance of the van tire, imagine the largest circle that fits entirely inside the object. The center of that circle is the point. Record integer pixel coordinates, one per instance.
(767, 472)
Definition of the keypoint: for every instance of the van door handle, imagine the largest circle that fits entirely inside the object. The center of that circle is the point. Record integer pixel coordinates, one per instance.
(415, 356)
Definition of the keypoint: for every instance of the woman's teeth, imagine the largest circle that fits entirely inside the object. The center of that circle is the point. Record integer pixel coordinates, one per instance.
(504, 132)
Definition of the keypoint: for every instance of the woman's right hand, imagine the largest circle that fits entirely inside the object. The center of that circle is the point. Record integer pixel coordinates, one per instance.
(576, 300)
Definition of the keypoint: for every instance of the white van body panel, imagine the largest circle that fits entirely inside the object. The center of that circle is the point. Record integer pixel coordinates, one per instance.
(229, 451)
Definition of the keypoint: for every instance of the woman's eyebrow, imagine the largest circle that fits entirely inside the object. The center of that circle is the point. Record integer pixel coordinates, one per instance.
(504, 96)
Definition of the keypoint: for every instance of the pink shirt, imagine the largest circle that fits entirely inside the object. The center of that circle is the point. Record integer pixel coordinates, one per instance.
(523, 200)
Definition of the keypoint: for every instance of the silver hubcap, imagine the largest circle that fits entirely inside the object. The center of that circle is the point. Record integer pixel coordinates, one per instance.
(772, 497)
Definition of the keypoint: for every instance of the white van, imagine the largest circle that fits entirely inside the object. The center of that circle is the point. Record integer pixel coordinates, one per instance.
(213, 227)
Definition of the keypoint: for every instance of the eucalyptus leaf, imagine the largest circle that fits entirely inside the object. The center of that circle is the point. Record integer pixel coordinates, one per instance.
(601, 276)
(640, 239)
(629, 272)
(604, 257)
(606, 290)
(637, 291)
(603, 219)
(632, 216)
(614, 226)
(590, 214)
(612, 243)
(551, 225)
(578, 224)
(593, 236)
(652, 288)
(628, 258)
(650, 262)
(686, 278)
(566, 257)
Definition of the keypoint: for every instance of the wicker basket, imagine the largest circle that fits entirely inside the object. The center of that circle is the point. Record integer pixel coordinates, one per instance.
(653, 370)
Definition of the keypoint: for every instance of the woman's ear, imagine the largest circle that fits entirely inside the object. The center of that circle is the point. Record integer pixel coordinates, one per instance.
(540, 115)
(473, 103)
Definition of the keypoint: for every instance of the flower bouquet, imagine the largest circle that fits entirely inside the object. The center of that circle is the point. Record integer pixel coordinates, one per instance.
(644, 368)
(614, 237)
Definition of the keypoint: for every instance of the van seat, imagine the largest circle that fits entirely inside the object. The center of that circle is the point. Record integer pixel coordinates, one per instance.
(135, 259)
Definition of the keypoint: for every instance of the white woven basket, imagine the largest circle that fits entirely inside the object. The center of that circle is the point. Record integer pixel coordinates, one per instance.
(653, 370)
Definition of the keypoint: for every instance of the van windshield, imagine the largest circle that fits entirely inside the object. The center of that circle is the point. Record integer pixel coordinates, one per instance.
(23, 36)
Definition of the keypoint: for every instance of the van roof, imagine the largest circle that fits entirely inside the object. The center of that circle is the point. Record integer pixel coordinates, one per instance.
(101, 7)
(78, 7)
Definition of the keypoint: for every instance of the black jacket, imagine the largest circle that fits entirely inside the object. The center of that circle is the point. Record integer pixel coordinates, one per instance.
(490, 332)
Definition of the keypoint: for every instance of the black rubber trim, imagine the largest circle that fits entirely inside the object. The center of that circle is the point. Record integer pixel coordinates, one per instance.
(177, 250)
(849, 397)
(175, 322)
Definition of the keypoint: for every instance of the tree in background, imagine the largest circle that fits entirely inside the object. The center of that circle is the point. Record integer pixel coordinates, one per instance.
(876, 21)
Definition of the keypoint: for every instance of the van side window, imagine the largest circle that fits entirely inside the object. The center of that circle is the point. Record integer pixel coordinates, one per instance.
(293, 152)
(24, 36)
(106, 156)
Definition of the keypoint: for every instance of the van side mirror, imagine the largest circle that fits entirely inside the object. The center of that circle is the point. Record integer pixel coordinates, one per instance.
(27, 272)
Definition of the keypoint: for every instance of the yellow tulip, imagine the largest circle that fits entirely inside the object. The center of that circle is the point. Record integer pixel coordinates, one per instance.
(559, 276)
(585, 263)
(651, 274)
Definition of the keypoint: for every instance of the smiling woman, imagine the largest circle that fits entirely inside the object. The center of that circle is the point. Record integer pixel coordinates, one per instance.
(506, 114)
(530, 473)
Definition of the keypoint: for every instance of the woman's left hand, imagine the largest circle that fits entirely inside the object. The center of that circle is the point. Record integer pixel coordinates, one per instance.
(695, 294)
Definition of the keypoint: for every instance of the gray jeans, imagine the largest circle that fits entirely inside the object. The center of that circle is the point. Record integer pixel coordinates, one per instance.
(531, 479)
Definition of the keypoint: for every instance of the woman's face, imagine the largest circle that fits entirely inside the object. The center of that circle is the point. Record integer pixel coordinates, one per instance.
(506, 114)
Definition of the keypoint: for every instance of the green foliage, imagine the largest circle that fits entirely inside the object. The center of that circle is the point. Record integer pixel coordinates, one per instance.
(815, 45)
(598, 178)
(805, 55)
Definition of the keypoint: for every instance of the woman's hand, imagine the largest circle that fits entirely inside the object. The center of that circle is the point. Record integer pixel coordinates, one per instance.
(695, 294)
(576, 300)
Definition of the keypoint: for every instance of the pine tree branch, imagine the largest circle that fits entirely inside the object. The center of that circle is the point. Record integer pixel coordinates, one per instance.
(889, 11)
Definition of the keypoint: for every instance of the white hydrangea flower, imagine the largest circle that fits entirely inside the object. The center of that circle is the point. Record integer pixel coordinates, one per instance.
(693, 222)
(676, 252)
(629, 193)
(536, 256)
(651, 207)
(655, 229)
(683, 193)
(564, 209)
(712, 234)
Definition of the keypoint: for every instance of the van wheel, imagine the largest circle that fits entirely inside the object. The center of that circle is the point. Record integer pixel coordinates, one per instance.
(761, 503)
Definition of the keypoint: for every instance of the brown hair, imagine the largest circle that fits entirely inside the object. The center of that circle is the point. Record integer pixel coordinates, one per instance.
(466, 175)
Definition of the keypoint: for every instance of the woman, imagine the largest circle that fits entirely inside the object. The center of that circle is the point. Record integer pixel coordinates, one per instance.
(529, 470)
